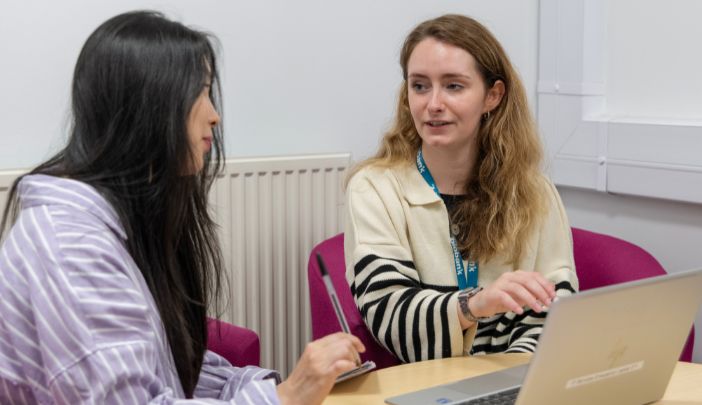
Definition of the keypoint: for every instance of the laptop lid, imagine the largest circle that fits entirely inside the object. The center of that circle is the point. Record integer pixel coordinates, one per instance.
(616, 344)
(613, 345)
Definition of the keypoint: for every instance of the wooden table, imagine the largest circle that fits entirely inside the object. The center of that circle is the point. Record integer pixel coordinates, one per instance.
(685, 386)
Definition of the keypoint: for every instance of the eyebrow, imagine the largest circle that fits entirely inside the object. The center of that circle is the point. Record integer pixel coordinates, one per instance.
(445, 76)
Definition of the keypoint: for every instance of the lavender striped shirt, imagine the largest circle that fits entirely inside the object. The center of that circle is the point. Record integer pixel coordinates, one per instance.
(79, 325)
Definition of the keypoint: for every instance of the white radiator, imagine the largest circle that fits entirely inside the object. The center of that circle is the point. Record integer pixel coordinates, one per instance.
(271, 212)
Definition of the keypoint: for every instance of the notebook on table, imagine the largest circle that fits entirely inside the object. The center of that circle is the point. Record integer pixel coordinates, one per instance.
(613, 345)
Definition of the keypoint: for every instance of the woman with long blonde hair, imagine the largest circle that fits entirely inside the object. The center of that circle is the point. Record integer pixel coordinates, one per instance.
(455, 242)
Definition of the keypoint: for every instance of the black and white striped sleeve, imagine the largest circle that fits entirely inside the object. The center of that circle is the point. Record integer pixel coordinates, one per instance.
(412, 320)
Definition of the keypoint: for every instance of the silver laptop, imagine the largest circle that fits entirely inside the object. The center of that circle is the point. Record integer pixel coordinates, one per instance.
(612, 345)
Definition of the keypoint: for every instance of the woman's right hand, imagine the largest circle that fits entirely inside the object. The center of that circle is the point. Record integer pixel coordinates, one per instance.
(321, 362)
(511, 292)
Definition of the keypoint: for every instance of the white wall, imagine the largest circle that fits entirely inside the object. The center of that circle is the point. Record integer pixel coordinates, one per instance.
(653, 68)
(299, 77)
(652, 75)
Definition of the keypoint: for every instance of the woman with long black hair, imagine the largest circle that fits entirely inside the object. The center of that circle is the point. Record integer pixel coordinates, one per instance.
(110, 259)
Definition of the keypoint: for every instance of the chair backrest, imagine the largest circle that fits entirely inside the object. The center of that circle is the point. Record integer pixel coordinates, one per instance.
(324, 320)
(602, 260)
(240, 346)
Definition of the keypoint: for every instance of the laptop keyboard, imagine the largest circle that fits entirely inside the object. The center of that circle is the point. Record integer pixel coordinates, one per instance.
(501, 398)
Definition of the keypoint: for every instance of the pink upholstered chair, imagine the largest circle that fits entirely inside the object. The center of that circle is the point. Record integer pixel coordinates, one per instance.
(602, 260)
(238, 345)
(324, 320)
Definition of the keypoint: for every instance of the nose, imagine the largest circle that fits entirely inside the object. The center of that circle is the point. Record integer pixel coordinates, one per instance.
(214, 117)
(436, 102)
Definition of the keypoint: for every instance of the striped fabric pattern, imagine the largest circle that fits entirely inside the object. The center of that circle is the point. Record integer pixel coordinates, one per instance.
(401, 312)
(79, 325)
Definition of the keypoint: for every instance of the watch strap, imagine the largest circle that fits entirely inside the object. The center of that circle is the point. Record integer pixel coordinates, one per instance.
(463, 297)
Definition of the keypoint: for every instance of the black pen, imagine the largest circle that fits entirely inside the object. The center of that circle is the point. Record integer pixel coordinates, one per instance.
(335, 300)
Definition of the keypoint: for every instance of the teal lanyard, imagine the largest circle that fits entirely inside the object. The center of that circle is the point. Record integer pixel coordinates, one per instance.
(465, 280)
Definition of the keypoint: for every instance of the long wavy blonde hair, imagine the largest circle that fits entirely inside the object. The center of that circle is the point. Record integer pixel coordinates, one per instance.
(504, 200)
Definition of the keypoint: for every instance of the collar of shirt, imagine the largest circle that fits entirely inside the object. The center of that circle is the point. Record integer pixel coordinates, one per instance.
(415, 188)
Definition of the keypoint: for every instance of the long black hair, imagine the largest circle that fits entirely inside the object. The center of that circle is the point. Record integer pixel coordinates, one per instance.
(135, 82)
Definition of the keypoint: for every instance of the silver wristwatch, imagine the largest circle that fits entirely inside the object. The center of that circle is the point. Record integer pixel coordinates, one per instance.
(463, 298)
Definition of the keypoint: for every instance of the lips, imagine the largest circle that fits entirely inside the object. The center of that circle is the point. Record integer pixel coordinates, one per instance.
(208, 142)
(437, 123)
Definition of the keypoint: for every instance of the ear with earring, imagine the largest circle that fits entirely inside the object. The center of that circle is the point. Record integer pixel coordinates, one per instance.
(486, 116)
